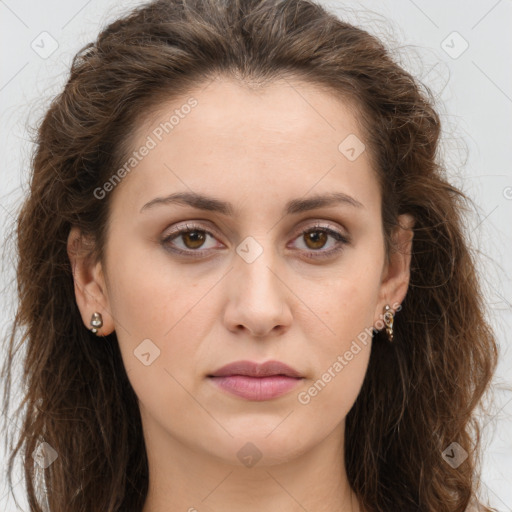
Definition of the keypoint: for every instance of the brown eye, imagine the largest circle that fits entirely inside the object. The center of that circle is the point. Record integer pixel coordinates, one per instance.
(193, 239)
(316, 239)
(188, 241)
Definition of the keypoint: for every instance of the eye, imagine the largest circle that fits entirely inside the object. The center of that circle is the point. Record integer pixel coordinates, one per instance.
(316, 238)
(194, 237)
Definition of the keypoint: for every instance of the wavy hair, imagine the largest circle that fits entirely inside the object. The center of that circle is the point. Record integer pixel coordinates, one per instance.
(420, 393)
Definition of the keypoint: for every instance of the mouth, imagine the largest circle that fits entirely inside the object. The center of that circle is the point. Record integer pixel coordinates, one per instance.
(253, 369)
(256, 382)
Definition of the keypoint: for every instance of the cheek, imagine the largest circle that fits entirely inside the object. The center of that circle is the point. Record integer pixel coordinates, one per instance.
(150, 294)
(335, 387)
(166, 326)
(340, 356)
(347, 301)
(163, 313)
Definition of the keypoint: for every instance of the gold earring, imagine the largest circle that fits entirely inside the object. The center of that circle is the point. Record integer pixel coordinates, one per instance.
(96, 322)
(389, 316)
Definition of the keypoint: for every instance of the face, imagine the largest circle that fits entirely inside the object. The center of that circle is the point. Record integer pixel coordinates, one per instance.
(268, 274)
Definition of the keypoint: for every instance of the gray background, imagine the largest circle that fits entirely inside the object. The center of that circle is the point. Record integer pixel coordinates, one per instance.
(461, 50)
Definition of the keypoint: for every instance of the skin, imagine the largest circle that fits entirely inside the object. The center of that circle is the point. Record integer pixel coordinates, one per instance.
(258, 149)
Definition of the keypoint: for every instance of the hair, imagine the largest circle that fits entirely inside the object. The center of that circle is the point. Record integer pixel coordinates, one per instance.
(420, 393)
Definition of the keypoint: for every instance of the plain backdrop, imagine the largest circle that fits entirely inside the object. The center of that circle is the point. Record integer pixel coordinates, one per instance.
(461, 50)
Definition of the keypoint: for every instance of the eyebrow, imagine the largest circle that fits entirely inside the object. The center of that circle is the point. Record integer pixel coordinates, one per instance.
(212, 204)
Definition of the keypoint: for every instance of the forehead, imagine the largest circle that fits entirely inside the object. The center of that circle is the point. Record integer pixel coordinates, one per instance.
(286, 136)
(283, 110)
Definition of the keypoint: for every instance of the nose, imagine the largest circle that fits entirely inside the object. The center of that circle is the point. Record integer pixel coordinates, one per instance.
(258, 297)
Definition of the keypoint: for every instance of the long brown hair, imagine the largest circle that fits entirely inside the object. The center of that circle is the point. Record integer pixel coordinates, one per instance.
(420, 393)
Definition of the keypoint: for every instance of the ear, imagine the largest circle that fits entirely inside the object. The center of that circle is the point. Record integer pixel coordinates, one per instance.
(396, 272)
(90, 285)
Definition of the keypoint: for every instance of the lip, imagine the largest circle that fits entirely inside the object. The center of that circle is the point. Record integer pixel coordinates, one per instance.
(254, 381)
(253, 369)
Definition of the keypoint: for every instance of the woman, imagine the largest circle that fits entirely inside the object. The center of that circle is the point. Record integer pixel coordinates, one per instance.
(250, 288)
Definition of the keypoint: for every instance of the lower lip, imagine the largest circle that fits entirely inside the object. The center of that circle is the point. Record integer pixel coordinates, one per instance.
(256, 388)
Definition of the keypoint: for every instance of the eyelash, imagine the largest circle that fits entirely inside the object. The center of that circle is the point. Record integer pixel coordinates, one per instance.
(341, 239)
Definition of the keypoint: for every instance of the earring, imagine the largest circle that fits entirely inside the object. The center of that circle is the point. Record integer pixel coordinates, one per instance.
(389, 316)
(96, 322)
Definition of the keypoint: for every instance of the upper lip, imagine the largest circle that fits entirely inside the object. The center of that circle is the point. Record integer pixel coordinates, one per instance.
(253, 369)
